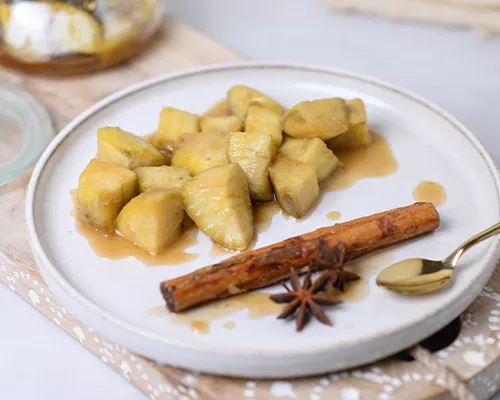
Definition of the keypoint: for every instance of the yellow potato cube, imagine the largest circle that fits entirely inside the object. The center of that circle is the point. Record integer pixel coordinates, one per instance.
(295, 184)
(163, 177)
(264, 120)
(356, 111)
(200, 151)
(103, 189)
(240, 97)
(218, 201)
(128, 150)
(219, 109)
(313, 152)
(358, 134)
(173, 123)
(231, 123)
(323, 118)
(152, 220)
(254, 153)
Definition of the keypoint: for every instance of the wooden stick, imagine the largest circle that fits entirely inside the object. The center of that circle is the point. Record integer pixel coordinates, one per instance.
(268, 265)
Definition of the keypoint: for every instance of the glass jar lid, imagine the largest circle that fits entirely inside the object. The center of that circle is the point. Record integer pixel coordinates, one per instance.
(25, 131)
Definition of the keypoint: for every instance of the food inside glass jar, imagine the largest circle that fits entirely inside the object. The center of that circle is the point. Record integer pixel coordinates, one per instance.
(65, 37)
(219, 167)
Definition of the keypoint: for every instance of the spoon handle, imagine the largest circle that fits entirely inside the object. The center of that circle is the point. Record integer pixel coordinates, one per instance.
(452, 260)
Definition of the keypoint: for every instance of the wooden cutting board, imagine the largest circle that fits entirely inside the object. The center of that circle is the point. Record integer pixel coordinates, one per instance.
(474, 355)
(482, 16)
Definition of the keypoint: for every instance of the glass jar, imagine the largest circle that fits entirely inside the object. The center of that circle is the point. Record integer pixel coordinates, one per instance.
(74, 36)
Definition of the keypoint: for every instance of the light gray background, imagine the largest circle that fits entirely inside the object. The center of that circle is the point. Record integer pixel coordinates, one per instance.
(453, 68)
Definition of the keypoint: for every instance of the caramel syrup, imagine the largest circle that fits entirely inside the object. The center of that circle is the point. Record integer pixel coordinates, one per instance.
(366, 267)
(217, 250)
(263, 214)
(431, 192)
(333, 215)
(256, 304)
(373, 161)
(116, 247)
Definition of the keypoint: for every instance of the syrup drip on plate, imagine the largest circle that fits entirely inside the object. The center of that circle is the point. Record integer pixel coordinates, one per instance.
(116, 247)
(431, 192)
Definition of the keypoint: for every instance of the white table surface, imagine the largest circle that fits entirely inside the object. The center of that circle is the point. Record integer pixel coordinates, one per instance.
(453, 68)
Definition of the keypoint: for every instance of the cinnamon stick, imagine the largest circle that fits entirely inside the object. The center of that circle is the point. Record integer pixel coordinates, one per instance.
(268, 265)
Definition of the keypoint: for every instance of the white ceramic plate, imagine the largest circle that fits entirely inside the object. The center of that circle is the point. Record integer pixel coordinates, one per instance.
(113, 296)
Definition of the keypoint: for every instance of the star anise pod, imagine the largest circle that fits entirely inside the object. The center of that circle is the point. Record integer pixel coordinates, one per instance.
(328, 257)
(306, 298)
(337, 278)
(331, 259)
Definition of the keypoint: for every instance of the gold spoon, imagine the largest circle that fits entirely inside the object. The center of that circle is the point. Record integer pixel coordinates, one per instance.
(417, 276)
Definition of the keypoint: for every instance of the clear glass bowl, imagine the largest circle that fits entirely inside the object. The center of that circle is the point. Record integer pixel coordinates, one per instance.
(25, 131)
(74, 36)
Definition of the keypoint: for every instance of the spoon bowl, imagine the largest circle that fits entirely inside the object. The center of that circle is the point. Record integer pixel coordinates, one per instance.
(416, 276)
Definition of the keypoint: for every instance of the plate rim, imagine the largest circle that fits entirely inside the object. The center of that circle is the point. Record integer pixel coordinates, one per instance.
(47, 267)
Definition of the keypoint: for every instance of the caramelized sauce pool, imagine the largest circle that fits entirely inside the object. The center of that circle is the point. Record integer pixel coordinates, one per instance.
(263, 214)
(333, 215)
(356, 291)
(431, 192)
(217, 250)
(256, 304)
(200, 326)
(115, 247)
(157, 311)
(373, 161)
